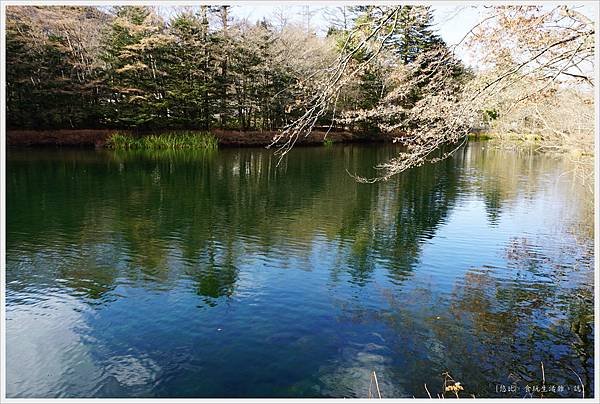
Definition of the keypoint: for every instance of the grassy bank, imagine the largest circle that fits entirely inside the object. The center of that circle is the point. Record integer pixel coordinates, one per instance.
(169, 140)
(99, 138)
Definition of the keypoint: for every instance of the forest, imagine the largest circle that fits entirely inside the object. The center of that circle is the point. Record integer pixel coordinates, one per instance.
(86, 67)
(373, 69)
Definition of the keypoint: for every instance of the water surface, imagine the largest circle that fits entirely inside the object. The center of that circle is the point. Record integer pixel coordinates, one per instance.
(185, 274)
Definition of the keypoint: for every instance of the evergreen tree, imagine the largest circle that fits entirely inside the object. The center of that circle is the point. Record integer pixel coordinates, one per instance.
(137, 51)
(225, 43)
(190, 82)
(414, 34)
(85, 67)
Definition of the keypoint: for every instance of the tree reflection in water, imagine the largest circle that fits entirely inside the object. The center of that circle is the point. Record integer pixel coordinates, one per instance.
(429, 272)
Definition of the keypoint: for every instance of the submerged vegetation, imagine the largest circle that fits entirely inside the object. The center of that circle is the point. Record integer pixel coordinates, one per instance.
(171, 140)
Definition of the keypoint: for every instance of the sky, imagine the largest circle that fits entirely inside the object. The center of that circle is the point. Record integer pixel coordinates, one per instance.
(452, 21)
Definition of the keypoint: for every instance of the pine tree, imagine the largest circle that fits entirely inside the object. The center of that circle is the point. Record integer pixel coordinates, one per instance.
(190, 81)
(137, 50)
(225, 43)
(414, 34)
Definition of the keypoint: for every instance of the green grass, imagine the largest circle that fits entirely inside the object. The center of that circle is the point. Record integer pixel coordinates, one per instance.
(327, 142)
(164, 141)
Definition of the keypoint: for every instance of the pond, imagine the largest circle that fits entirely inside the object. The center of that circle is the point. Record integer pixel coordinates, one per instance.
(221, 274)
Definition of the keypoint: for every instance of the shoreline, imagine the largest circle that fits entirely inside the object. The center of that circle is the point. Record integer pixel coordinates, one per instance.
(97, 138)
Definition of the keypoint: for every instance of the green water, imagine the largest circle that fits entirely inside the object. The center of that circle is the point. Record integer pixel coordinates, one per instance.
(182, 274)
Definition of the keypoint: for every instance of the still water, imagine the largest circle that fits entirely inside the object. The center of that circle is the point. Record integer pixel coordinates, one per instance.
(181, 274)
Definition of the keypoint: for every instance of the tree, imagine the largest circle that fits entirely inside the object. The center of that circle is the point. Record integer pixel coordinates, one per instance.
(137, 51)
(415, 33)
(190, 83)
(543, 82)
(396, 42)
(435, 104)
(53, 70)
(426, 108)
(225, 44)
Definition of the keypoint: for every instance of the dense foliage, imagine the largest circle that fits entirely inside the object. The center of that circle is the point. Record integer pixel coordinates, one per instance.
(200, 68)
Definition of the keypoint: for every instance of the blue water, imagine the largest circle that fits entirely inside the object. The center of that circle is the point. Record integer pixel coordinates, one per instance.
(185, 274)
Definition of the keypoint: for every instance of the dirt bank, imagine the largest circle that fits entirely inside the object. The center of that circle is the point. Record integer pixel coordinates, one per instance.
(62, 137)
(98, 137)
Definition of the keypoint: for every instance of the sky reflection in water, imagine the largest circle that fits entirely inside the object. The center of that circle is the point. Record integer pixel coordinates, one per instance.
(222, 275)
